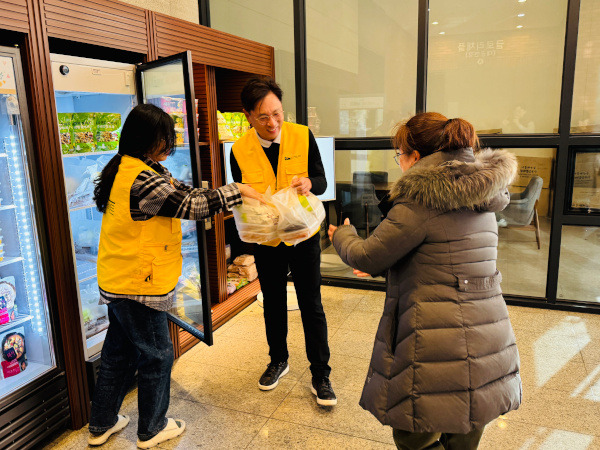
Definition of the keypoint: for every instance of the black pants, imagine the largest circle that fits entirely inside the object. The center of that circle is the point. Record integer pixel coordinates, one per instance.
(304, 260)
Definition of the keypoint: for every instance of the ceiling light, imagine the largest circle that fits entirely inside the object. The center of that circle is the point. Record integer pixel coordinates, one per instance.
(519, 26)
(434, 23)
(521, 15)
(442, 32)
(522, 1)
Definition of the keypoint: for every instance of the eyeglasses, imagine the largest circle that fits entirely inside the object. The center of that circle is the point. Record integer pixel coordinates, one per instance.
(397, 157)
(263, 119)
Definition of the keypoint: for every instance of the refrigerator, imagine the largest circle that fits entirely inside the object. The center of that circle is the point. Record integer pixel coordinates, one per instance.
(28, 355)
(93, 99)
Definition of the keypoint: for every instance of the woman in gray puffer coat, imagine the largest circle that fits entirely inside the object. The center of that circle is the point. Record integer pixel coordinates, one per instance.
(444, 362)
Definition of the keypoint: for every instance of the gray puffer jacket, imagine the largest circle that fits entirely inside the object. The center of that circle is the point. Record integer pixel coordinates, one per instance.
(445, 358)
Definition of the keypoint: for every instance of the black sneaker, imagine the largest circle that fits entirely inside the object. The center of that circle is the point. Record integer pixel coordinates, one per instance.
(270, 379)
(321, 387)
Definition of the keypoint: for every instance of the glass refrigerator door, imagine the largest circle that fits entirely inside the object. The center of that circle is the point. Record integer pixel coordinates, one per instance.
(25, 331)
(93, 98)
(168, 83)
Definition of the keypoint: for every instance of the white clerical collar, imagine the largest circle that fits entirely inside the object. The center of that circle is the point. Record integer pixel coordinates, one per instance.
(266, 144)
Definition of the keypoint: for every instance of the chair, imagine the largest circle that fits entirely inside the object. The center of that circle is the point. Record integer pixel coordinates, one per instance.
(376, 178)
(522, 209)
(362, 208)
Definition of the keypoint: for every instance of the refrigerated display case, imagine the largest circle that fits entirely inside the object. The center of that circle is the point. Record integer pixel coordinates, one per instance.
(26, 330)
(93, 99)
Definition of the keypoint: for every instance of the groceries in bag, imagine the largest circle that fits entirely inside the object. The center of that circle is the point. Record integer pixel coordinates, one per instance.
(289, 217)
(256, 222)
(300, 216)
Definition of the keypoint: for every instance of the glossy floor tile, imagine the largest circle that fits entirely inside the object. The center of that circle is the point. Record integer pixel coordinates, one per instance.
(214, 389)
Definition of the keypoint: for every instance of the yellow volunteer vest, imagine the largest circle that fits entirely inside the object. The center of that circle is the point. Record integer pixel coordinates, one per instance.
(136, 257)
(256, 169)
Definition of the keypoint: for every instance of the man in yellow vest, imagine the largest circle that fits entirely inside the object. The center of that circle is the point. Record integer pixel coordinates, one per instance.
(279, 154)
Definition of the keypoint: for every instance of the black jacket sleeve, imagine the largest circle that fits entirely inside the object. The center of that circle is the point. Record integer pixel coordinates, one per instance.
(236, 172)
(316, 172)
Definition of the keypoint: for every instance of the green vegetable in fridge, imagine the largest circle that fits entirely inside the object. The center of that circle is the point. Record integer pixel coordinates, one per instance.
(107, 131)
(65, 130)
(83, 132)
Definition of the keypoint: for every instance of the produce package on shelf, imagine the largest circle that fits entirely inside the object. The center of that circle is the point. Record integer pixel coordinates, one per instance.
(225, 133)
(95, 316)
(84, 127)
(8, 295)
(300, 216)
(256, 222)
(243, 267)
(244, 260)
(14, 352)
(234, 283)
(107, 131)
(80, 179)
(65, 130)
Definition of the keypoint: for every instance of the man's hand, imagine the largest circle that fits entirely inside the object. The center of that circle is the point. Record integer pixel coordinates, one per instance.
(250, 192)
(303, 185)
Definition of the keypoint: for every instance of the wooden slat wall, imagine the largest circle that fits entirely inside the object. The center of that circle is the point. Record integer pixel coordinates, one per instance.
(210, 160)
(151, 33)
(107, 23)
(13, 15)
(212, 47)
(48, 157)
(229, 87)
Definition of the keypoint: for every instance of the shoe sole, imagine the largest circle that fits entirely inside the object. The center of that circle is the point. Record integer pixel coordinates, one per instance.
(100, 440)
(322, 402)
(274, 385)
(163, 436)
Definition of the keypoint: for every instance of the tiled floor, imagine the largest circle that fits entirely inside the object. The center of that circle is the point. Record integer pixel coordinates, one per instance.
(214, 388)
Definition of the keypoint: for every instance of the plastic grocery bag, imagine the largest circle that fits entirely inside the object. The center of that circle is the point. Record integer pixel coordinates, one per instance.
(300, 216)
(257, 222)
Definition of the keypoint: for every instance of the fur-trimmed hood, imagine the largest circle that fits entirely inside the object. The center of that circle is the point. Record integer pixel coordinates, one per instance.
(460, 179)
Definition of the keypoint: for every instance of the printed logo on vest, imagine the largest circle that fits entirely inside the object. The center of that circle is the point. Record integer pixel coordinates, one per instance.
(287, 158)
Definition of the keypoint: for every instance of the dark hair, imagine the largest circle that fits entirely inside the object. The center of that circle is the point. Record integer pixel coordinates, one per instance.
(257, 88)
(432, 132)
(145, 128)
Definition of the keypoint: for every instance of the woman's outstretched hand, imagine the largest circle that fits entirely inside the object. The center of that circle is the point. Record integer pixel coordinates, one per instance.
(332, 228)
(250, 192)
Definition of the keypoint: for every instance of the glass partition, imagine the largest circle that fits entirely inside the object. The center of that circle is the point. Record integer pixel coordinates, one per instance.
(524, 226)
(361, 65)
(579, 264)
(586, 181)
(497, 63)
(585, 117)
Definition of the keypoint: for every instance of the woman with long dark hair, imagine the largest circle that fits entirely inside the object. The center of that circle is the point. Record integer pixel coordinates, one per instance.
(445, 362)
(139, 264)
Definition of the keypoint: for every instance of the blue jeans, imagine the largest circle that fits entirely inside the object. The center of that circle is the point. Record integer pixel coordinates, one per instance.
(137, 338)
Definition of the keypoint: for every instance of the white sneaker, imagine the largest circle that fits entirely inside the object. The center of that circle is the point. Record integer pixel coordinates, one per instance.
(122, 422)
(173, 429)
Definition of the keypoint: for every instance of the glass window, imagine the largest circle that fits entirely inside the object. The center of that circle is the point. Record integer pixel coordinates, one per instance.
(579, 264)
(524, 226)
(267, 22)
(585, 117)
(497, 63)
(586, 181)
(361, 65)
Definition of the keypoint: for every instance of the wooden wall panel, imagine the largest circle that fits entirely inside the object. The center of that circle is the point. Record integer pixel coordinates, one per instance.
(14, 16)
(107, 23)
(151, 33)
(48, 155)
(212, 47)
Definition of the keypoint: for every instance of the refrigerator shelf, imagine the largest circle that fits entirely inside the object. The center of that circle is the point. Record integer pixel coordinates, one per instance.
(33, 371)
(4, 208)
(3, 155)
(71, 155)
(91, 277)
(8, 261)
(77, 208)
(21, 319)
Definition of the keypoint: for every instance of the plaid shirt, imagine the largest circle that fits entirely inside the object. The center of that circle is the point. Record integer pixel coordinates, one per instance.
(158, 194)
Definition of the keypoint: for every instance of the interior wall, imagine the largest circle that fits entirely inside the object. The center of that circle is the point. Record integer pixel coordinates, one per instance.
(182, 9)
